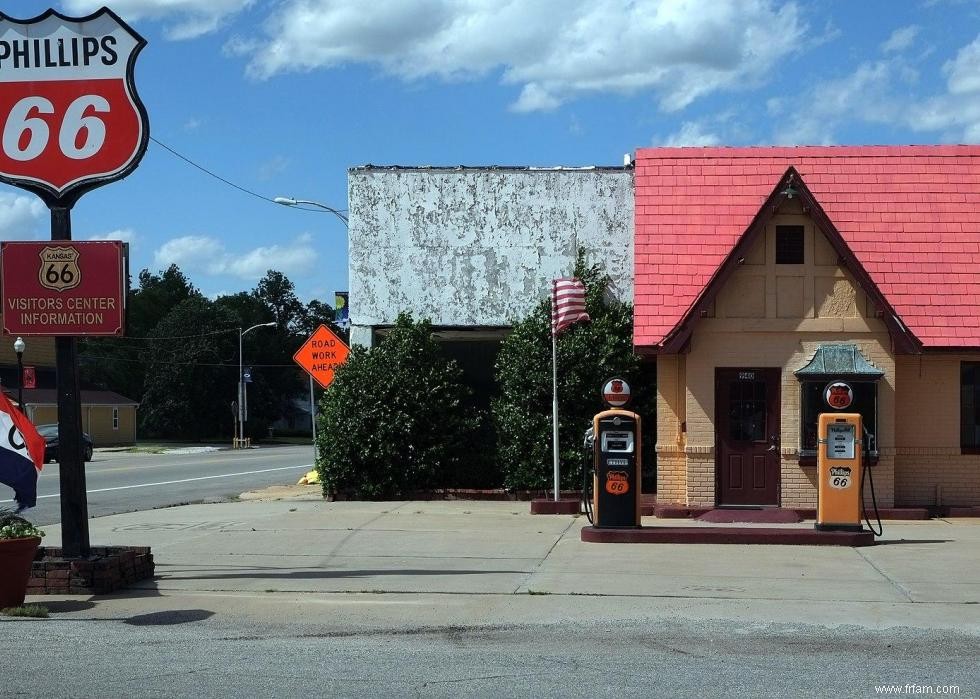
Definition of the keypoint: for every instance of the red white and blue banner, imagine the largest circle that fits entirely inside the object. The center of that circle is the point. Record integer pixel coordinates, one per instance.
(21, 453)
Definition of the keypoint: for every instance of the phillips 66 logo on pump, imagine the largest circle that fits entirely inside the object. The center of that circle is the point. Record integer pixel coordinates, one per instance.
(71, 118)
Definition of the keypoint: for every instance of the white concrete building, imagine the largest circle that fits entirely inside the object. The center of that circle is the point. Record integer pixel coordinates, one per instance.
(474, 249)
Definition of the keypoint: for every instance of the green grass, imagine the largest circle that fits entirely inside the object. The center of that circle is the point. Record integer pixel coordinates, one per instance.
(36, 611)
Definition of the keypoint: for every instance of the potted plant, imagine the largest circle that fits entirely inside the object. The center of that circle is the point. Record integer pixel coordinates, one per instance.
(19, 540)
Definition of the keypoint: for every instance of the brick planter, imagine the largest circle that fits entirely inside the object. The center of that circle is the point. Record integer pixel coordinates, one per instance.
(105, 570)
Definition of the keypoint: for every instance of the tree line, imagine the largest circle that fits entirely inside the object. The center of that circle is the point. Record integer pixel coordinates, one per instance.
(179, 357)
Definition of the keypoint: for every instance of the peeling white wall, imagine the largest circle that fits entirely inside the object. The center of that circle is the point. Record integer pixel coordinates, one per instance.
(479, 247)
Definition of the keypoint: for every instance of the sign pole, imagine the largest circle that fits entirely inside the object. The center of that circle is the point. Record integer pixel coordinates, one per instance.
(74, 504)
(313, 418)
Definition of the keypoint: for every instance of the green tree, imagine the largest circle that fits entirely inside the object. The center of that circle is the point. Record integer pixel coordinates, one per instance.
(118, 364)
(588, 354)
(393, 421)
(279, 296)
(191, 372)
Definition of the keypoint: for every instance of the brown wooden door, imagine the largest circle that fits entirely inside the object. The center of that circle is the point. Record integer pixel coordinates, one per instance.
(747, 437)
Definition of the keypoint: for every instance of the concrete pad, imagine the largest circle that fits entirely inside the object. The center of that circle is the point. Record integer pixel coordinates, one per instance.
(474, 576)
(405, 564)
(729, 587)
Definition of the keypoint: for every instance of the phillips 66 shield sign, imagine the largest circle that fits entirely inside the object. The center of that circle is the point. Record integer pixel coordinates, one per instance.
(71, 119)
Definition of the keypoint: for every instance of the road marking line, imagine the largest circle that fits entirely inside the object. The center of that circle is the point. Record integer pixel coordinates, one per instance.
(183, 480)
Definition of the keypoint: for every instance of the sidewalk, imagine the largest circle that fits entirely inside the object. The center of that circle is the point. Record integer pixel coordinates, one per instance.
(287, 556)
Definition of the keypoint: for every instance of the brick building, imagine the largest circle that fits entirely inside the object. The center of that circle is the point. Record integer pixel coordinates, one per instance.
(763, 274)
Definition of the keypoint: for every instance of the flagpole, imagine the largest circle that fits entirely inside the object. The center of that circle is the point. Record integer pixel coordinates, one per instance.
(554, 404)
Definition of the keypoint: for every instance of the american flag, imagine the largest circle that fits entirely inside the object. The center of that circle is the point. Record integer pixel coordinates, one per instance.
(567, 303)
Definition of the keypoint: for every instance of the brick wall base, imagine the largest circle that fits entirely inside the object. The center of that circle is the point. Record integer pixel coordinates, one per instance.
(105, 570)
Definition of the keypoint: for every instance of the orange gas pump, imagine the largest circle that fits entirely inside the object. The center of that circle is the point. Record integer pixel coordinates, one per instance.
(839, 472)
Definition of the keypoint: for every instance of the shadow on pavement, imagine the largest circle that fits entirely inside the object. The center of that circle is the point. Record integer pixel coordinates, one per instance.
(67, 605)
(914, 541)
(272, 574)
(169, 618)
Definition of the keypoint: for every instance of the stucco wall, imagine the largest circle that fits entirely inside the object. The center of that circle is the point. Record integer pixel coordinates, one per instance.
(479, 247)
(929, 467)
(770, 316)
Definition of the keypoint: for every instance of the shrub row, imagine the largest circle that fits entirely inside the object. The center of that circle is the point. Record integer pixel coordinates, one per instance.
(399, 418)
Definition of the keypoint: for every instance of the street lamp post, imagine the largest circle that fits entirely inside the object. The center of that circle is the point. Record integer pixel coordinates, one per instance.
(301, 203)
(289, 201)
(19, 347)
(241, 382)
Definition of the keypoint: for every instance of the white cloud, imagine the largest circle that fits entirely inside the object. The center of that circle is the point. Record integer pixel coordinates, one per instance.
(900, 39)
(535, 98)
(189, 251)
(963, 72)
(553, 49)
(21, 216)
(190, 18)
(880, 92)
(273, 167)
(814, 117)
(692, 133)
(955, 114)
(210, 256)
(127, 235)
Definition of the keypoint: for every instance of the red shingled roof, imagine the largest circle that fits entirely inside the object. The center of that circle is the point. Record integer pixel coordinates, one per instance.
(910, 215)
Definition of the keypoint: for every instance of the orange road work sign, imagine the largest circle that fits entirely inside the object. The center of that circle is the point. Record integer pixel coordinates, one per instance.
(321, 354)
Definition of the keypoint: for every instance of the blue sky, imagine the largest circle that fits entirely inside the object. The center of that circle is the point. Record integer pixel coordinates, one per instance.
(282, 97)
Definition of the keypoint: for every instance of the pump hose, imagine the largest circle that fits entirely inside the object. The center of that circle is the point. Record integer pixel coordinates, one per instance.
(587, 486)
(874, 504)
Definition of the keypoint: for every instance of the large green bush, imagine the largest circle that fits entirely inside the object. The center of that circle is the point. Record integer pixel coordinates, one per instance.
(394, 419)
(588, 355)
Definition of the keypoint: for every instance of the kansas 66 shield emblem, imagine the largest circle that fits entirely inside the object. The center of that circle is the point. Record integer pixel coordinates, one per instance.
(71, 119)
(59, 269)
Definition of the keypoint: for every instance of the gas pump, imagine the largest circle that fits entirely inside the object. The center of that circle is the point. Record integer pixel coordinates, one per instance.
(616, 445)
(840, 474)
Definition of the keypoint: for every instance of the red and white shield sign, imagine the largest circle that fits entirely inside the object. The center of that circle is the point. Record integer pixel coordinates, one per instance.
(838, 395)
(616, 393)
(70, 116)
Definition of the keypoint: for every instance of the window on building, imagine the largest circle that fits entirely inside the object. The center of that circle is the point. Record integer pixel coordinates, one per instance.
(115, 418)
(789, 245)
(812, 404)
(970, 407)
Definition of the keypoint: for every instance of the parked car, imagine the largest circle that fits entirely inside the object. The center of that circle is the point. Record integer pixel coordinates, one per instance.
(50, 434)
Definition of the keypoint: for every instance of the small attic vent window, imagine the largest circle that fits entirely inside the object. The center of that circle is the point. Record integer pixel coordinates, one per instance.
(789, 245)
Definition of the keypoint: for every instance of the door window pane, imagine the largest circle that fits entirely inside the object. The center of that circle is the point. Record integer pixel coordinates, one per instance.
(747, 411)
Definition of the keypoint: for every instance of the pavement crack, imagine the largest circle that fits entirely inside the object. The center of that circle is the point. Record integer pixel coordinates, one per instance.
(537, 567)
(894, 583)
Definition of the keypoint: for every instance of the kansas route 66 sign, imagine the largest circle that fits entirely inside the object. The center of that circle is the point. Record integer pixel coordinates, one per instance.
(70, 116)
(59, 268)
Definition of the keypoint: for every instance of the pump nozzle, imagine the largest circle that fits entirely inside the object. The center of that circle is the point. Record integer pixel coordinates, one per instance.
(589, 440)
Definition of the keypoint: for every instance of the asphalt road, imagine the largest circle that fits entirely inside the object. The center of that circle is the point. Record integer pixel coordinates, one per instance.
(190, 653)
(125, 482)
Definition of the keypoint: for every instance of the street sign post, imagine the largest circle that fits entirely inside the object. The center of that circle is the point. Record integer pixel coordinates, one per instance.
(321, 354)
(71, 121)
